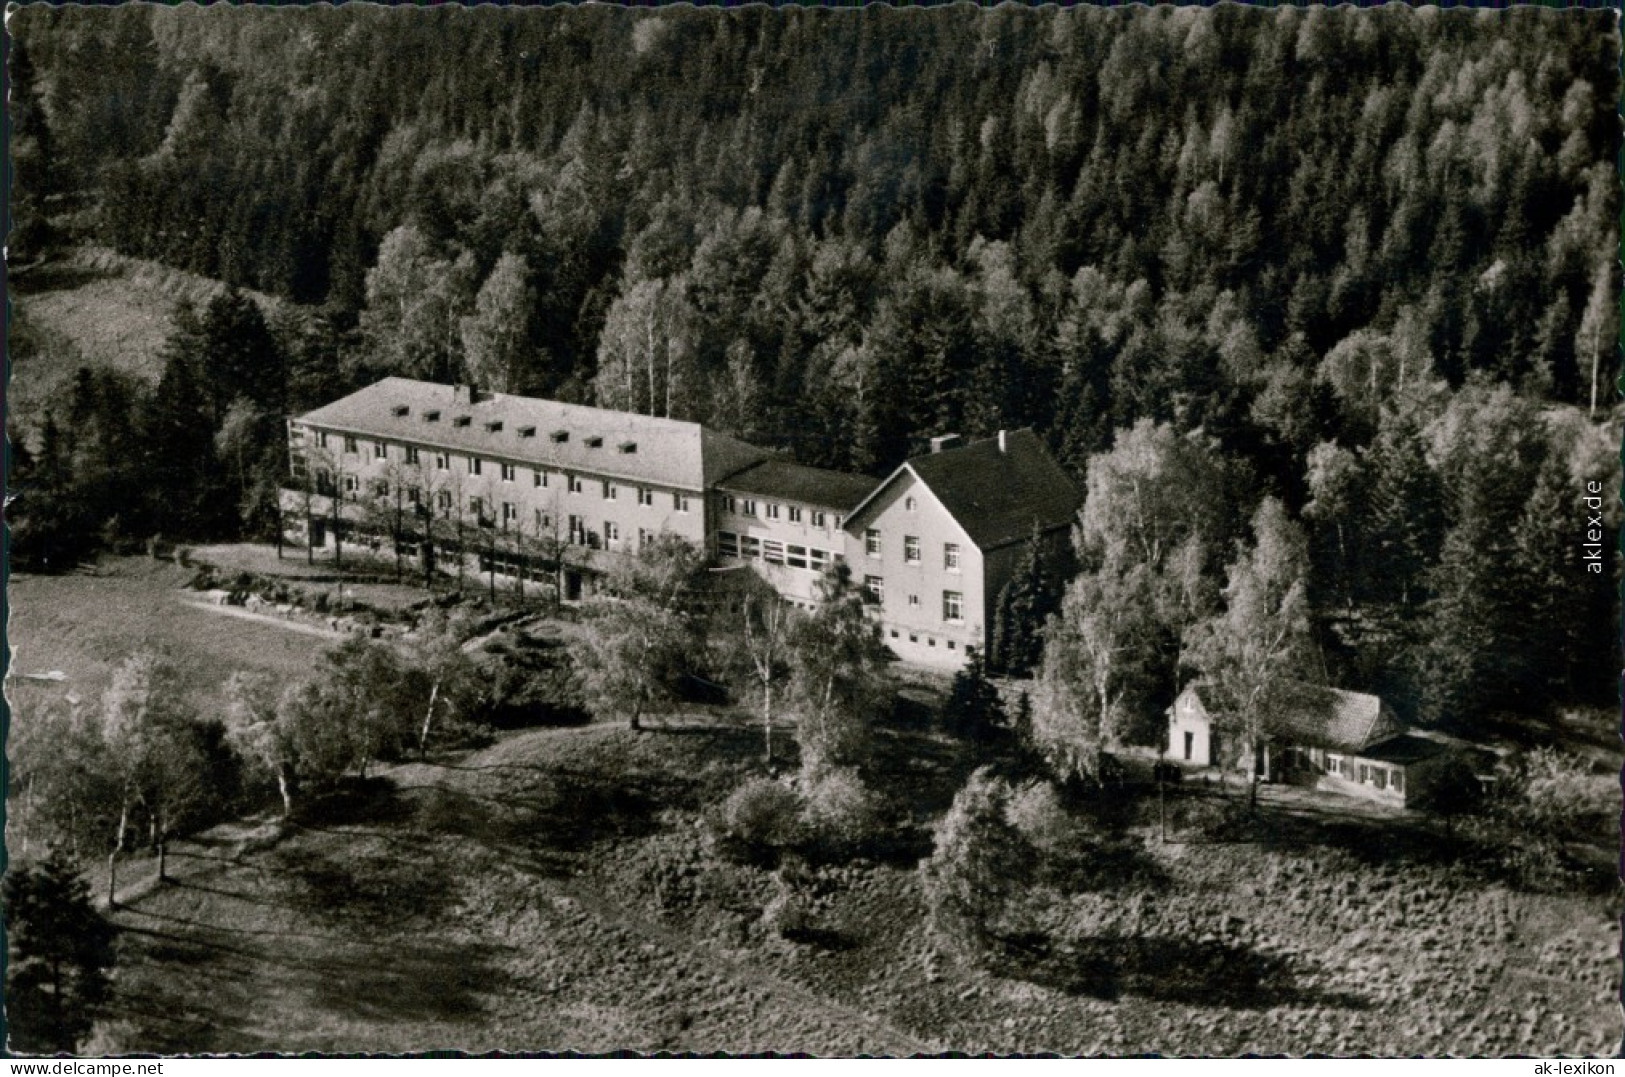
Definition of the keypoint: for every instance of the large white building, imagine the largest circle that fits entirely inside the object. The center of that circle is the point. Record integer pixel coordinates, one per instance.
(513, 484)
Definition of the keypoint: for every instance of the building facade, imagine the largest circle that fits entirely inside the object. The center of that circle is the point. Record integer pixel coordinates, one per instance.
(1338, 741)
(514, 486)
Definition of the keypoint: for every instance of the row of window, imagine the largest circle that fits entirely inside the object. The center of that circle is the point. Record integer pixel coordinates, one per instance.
(953, 602)
(931, 641)
(751, 548)
(611, 492)
(1366, 773)
(475, 466)
(911, 549)
(772, 510)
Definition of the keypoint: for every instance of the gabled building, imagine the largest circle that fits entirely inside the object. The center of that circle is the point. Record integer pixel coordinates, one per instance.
(451, 476)
(938, 539)
(454, 472)
(1340, 741)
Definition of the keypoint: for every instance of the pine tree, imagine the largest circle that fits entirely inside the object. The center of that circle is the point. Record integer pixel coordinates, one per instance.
(1024, 605)
(973, 710)
(60, 952)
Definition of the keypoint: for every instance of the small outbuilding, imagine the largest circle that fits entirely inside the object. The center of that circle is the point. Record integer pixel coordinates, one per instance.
(1346, 742)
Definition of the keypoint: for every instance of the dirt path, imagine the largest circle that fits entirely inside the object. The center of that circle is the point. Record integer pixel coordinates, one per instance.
(234, 845)
(265, 619)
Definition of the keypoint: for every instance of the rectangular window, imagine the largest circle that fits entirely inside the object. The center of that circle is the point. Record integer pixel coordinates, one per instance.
(612, 533)
(817, 518)
(772, 510)
(349, 445)
(443, 499)
(795, 514)
(578, 531)
(728, 504)
(350, 487)
(953, 606)
(474, 465)
(817, 560)
(911, 549)
(871, 542)
(1380, 776)
(609, 491)
(643, 537)
(508, 471)
(538, 478)
(679, 502)
(543, 521)
(773, 552)
(950, 556)
(300, 471)
(908, 504)
(749, 547)
(414, 496)
(875, 588)
(321, 439)
(1334, 764)
(510, 512)
(575, 484)
(442, 462)
(796, 556)
(747, 507)
(378, 451)
(476, 507)
(1190, 743)
(727, 544)
(380, 488)
(646, 496)
(913, 600)
(1399, 781)
(412, 456)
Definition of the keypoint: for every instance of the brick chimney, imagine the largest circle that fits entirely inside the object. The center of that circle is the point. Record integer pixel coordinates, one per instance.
(1001, 440)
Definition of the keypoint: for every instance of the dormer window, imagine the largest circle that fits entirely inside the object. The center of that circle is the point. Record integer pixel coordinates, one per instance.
(628, 446)
(401, 411)
(494, 426)
(560, 436)
(595, 442)
(431, 416)
(461, 420)
(527, 431)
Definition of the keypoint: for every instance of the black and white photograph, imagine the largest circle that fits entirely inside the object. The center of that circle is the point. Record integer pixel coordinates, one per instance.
(813, 530)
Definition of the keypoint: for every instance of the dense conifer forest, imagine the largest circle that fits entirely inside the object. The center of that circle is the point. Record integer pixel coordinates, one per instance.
(1362, 262)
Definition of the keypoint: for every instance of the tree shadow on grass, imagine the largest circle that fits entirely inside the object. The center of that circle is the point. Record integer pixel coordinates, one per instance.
(414, 981)
(354, 801)
(360, 888)
(1166, 969)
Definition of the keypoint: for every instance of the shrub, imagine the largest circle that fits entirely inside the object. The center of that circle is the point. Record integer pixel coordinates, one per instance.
(760, 818)
(841, 812)
(787, 913)
(1037, 814)
(977, 865)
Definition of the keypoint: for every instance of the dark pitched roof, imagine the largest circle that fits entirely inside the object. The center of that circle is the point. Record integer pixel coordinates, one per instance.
(617, 444)
(1325, 718)
(997, 495)
(1404, 749)
(786, 481)
(1333, 718)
